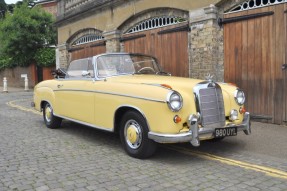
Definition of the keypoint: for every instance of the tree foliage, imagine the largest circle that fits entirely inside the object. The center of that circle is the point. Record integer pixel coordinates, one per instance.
(24, 32)
(45, 57)
(3, 9)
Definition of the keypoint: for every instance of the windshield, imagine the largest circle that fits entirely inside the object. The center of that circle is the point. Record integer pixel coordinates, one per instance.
(125, 64)
(81, 68)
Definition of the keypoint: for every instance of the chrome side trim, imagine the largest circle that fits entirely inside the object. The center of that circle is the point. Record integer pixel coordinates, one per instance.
(75, 79)
(133, 107)
(112, 93)
(87, 124)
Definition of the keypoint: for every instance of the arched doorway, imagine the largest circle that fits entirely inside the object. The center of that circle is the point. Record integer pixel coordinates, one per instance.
(160, 33)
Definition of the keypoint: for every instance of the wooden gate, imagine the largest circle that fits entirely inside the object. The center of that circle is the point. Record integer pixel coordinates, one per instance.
(87, 50)
(284, 67)
(254, 52)
(168, 44)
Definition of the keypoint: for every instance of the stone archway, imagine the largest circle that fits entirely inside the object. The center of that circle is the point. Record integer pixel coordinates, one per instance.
(86, 43)
(162, 33)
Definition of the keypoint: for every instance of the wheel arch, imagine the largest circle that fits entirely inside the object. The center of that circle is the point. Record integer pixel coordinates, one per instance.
(119, 113)
(42, 104)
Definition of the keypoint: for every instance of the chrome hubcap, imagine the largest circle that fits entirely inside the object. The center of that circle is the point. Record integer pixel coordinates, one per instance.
(48, 114)
(133, 134)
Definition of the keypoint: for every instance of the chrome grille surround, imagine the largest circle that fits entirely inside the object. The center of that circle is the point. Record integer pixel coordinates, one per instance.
(210, 104)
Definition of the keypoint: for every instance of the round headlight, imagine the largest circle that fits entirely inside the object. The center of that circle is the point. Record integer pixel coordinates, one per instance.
(174, 101)
(239, 97)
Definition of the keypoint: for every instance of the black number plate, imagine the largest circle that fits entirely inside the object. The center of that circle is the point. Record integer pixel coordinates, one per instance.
(225, 132)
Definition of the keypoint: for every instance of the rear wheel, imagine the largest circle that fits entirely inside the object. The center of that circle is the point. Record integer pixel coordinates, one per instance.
(134, 136)
(50, 120)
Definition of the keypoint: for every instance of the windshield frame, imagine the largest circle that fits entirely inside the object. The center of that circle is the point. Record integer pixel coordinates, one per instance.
(96, 60)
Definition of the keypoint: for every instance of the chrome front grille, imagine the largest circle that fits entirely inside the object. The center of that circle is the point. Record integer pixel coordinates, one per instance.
(211, 107)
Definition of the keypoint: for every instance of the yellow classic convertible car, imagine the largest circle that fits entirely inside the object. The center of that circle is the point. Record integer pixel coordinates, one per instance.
(131, 95)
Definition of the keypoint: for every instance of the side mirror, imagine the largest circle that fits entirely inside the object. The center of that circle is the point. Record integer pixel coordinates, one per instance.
(59, 73)
(86, 73)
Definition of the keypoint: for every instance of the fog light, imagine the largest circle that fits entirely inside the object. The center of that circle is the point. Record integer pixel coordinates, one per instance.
(233, 115)
(177, 119)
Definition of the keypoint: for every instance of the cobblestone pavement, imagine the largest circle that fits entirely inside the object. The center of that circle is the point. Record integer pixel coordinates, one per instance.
(76, 157)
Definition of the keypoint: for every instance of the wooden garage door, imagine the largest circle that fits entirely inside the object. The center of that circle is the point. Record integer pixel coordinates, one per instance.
(254, 52)
(87, 50)
(284, 67)
(168, 44)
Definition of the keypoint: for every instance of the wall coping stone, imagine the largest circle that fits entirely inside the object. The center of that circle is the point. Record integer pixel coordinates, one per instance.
(203, 14)
(111, 35)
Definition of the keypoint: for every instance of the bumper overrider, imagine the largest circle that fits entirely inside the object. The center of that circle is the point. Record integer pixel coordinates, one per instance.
(196, 134)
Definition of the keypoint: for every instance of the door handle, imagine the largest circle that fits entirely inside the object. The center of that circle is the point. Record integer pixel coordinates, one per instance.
(284, 66)
(60, 85)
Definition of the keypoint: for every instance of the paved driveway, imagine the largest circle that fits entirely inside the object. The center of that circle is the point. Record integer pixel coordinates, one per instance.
(76, 157)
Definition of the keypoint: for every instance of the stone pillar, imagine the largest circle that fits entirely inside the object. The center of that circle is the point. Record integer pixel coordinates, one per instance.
(205, 44)
(112, 40)
(60, 9)
(62, 56)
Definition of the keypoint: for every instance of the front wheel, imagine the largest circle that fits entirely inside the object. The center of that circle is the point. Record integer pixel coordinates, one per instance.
(134, 136)
(50, 120)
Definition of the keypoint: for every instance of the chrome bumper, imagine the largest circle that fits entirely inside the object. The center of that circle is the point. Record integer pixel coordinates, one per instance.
(196, 134)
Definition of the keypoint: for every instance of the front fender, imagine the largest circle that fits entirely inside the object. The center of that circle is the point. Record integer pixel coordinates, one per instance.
(43, 94)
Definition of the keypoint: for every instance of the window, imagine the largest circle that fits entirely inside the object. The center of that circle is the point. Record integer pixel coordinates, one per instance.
(87, 39)
(82, 68)
(154, 23)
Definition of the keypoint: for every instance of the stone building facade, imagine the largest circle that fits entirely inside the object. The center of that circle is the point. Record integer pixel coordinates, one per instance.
(238, 41)
(112, 18)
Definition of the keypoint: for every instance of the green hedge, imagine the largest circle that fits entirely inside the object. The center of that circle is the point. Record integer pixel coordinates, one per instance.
(45, 57)
(5, 62)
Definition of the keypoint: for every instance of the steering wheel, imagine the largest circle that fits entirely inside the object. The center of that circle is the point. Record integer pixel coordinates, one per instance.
(147, 69)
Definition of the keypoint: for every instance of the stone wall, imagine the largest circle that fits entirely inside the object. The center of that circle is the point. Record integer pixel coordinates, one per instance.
(206, 44)
(13, 75)
(62, 56)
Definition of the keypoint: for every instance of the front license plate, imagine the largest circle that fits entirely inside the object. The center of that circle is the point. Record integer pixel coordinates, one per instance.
(225, 132)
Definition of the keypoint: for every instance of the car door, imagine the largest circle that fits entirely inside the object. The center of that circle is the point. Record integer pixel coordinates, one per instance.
(74, 97)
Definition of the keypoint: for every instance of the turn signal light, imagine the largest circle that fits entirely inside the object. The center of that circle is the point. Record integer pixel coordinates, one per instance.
(177, 119)
(232, 84)
(242, 110)
(166, 86)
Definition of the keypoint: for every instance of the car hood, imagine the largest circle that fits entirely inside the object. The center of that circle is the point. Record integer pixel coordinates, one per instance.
(180, 84)
(176, 83)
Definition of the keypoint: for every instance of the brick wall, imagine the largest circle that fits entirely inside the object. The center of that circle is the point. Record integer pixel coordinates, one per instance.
(13, 76)
(14, 79)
